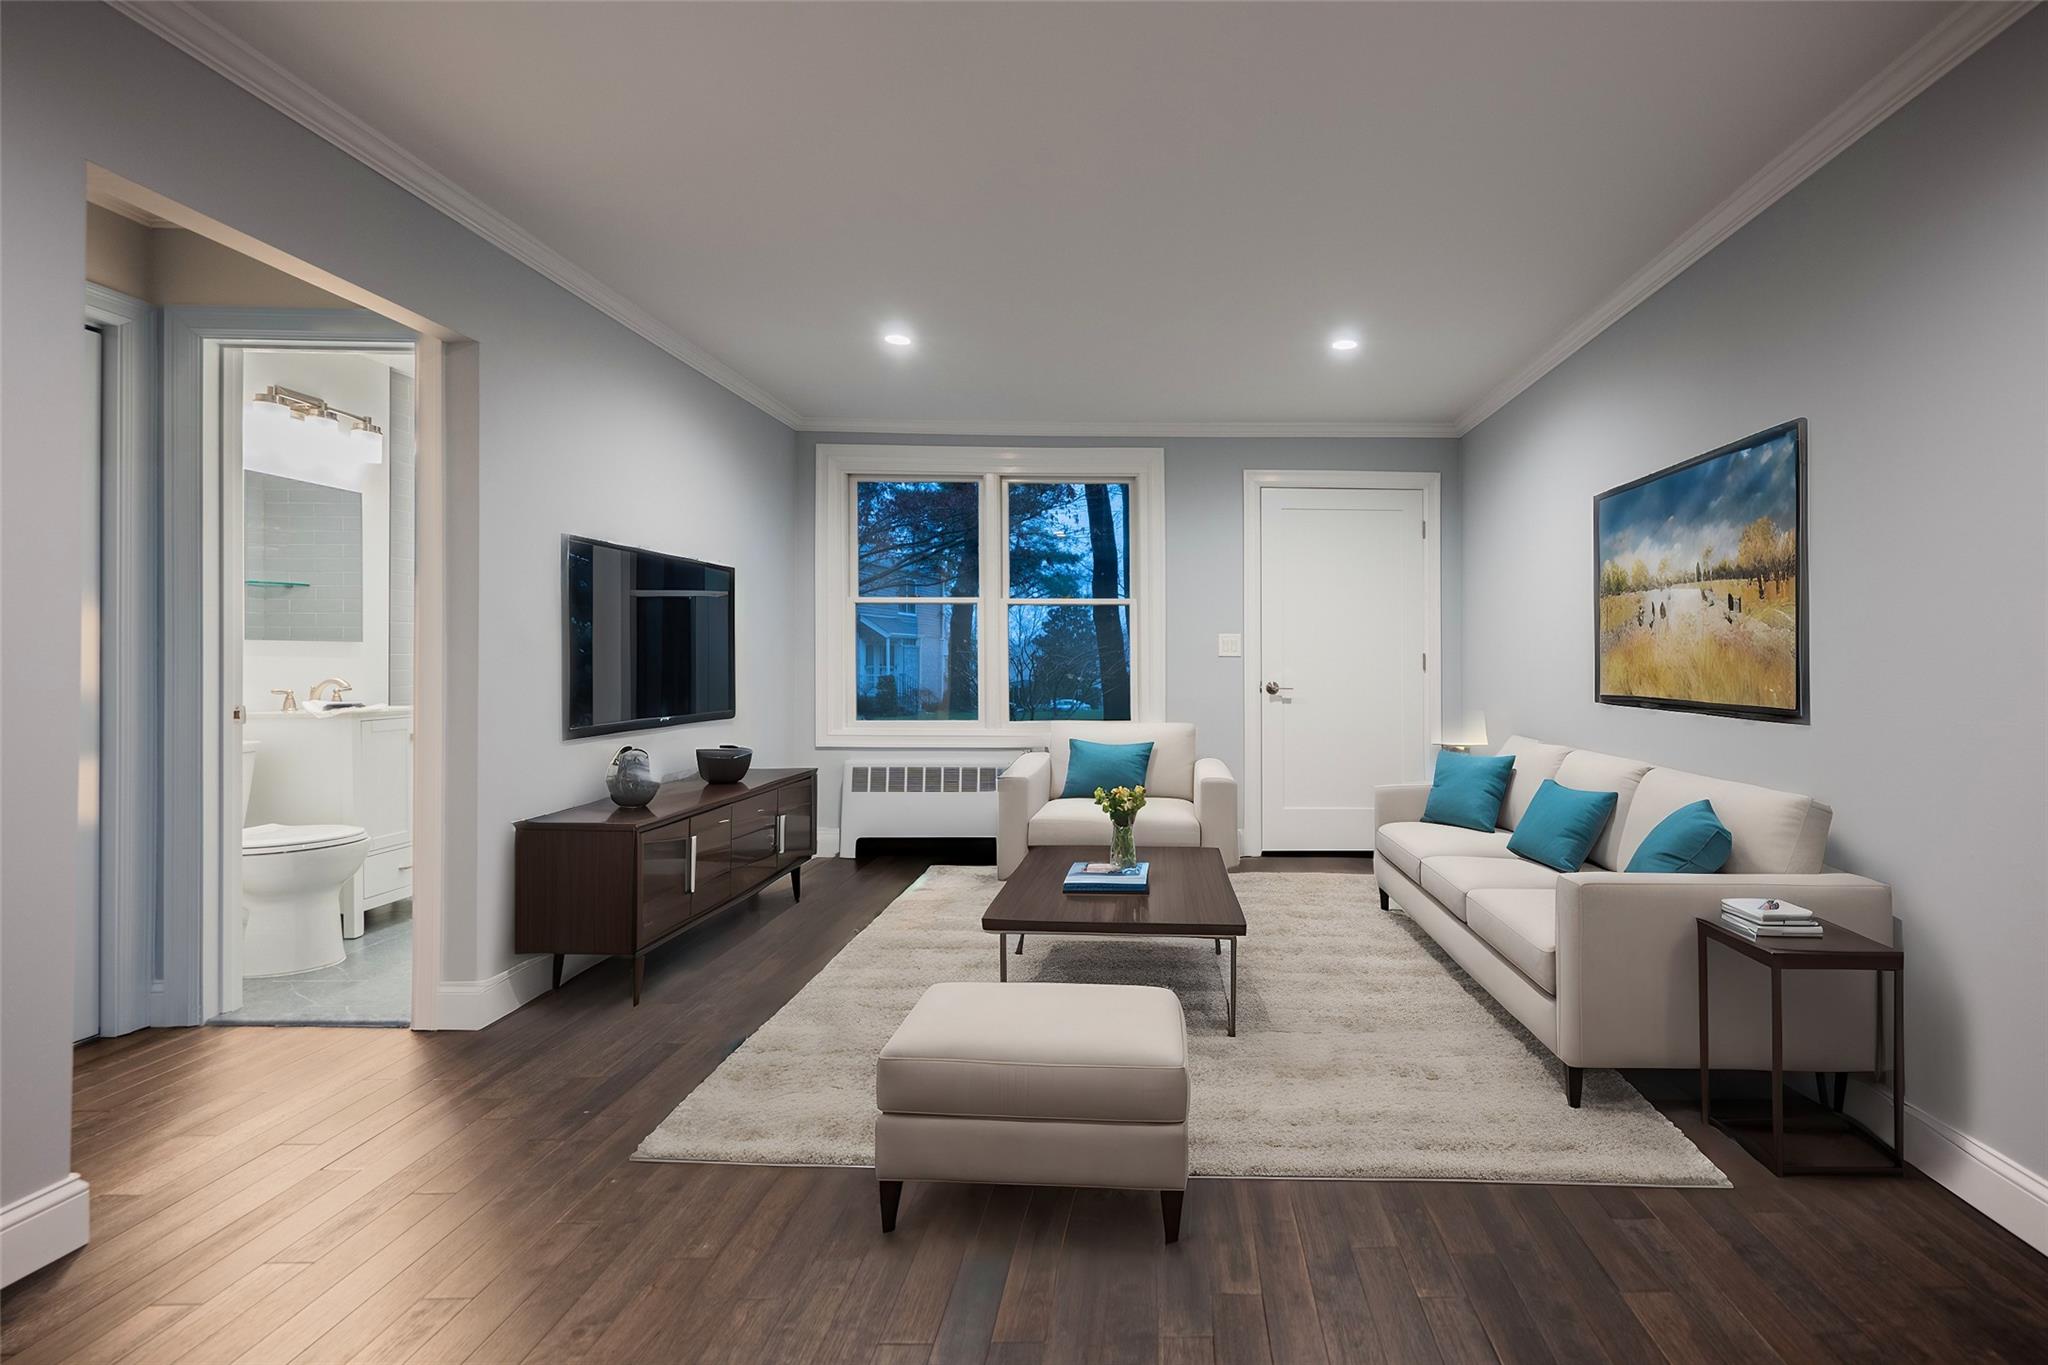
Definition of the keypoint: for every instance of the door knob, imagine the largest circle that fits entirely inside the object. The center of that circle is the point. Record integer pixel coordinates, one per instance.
(1274, 689)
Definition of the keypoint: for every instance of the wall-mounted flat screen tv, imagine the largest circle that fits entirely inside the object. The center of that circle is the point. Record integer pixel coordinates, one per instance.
(648, 638)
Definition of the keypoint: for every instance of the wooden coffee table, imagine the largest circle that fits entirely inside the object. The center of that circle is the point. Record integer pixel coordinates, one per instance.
(1190, 898)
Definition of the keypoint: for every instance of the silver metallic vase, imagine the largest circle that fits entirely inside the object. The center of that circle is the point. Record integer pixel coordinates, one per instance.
(631, 779)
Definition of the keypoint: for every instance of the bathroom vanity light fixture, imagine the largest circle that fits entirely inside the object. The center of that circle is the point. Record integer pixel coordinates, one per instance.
(314, 428)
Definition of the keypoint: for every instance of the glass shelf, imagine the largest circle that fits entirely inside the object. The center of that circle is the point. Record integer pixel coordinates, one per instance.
(273, 583)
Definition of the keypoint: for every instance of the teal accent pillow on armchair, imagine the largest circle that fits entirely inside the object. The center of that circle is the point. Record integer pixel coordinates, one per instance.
(1108, 766)
(1690, 839)
(1468, 789)
(1561, 824)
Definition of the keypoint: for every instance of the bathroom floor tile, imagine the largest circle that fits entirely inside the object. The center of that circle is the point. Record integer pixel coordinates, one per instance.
(371, 987)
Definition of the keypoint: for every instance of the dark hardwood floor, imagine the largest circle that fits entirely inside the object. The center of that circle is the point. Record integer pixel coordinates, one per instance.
(350, 1194)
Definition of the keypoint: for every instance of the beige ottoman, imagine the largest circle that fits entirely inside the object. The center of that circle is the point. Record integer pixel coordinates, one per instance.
(1036, 1083)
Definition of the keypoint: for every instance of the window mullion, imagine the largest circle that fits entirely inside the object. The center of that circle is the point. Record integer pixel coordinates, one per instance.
(993, 695)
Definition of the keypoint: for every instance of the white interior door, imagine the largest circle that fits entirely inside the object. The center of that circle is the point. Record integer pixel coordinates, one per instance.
(1342, 675)
(85, 949)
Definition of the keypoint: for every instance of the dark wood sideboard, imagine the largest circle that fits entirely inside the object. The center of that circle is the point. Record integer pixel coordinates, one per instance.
(607, 879)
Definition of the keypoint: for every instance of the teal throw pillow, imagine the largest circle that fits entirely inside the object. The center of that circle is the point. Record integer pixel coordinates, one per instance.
(1468, 789)
(1690, 839)
(1561, 824)
(1108, 766)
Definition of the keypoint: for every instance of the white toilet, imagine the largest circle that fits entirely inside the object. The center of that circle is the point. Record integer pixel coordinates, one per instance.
(292, 876)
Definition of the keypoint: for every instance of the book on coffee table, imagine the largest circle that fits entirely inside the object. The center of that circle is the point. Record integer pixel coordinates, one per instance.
(1108, 879)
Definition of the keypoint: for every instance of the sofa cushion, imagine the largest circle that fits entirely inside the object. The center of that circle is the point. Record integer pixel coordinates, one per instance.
(1405, 843)
(1172, 769)
(1561, 824)
(1534, 761)
(1449, 880)
(1105, 766)
(1467, 790)
(1038, 1050)
(1522, 927)
(1078, 820)
(1596, 772)
(1771, 832)
(1690, 839)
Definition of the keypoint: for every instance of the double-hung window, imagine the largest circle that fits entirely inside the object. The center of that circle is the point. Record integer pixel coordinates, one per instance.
(973, 596)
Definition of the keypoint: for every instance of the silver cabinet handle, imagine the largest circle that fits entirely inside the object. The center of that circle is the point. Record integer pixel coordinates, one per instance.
(690, 869)
(781, 834)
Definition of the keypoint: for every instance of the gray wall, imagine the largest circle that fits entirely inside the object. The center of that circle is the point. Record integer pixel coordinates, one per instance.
(1204, 568)
(581, 425)
(1899, 301)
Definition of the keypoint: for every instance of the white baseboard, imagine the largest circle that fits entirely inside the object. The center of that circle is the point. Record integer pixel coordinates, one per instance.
(828, 843)
(38, 1228)
(471, 1005)
(1978, 1174)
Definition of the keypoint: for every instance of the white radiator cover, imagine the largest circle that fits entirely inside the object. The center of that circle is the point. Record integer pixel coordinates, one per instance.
(917, 800)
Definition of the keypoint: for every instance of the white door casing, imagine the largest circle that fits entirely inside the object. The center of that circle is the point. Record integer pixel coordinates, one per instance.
(85, 910)
(1341, 598)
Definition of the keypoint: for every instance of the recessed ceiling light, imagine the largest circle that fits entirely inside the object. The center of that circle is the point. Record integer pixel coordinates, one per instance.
(1344, 343)
(898, 338)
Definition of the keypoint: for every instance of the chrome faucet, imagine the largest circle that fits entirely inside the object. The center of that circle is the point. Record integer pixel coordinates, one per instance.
(339, 686)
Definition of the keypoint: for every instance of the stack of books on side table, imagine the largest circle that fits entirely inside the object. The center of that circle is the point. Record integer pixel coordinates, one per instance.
(1108, 879)
(1768, 918)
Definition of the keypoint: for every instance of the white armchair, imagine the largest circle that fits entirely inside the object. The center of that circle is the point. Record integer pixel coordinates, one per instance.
(1190, 802)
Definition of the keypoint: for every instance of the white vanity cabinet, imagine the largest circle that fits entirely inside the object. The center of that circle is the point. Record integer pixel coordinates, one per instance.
(348, 768)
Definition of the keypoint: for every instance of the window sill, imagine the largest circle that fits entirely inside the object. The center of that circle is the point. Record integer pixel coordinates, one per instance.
(1015, 738)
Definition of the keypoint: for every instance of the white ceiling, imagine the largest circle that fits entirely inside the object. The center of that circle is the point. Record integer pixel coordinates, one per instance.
(1100, 215)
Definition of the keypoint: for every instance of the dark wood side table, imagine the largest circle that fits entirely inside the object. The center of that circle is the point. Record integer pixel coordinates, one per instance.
(1836, 950)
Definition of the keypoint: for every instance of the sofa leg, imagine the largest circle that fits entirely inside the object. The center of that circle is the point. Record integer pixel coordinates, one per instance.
(1169, 1212)
(1574, 1082)
(1385, 904)
(892, 1195)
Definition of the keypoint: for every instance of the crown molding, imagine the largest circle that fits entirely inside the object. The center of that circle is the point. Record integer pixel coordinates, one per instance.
(1919, 66)
(198, 36)
(864, 426)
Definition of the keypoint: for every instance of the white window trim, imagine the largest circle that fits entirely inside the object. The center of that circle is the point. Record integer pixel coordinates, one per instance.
(838, 466)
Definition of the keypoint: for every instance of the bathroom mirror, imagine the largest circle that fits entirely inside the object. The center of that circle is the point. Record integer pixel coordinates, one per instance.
(302, 559)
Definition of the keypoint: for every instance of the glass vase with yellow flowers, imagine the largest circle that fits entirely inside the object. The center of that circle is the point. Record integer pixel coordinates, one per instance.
(1121, 805)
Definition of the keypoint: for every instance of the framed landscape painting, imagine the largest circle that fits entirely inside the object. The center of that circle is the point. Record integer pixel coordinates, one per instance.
(1700, 582)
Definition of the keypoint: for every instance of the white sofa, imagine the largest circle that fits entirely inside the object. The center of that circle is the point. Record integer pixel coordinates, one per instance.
(1601, 965)
(1189, 802)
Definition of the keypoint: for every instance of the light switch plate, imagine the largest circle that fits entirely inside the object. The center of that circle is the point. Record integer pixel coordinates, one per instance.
(1230, 646)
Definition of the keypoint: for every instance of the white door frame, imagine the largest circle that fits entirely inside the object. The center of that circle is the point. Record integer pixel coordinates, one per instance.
(196, 756)
(130, 870)
(1255, 482)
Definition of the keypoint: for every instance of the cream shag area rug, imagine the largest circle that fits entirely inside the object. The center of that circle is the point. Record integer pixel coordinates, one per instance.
(1362, 1050)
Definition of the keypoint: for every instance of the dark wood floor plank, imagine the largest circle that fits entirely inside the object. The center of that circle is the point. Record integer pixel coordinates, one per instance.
(1322, 1213)
(1032, 1279)
(1292, 1325)
(1420, 1244)
(1561, 1253)
(1459, 1334)
(968, 1326)
(1241, 1336)
(334, 1195)
(1400, 1325)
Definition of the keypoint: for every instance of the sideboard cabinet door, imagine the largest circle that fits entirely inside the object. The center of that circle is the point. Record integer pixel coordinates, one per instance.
(799, 820)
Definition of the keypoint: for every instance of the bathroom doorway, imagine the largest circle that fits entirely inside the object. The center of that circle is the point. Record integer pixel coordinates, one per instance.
(347, 453)
(317, 537)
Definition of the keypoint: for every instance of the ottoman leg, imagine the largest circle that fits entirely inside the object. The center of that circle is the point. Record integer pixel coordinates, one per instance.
(892, 1195)
(1169, 1212)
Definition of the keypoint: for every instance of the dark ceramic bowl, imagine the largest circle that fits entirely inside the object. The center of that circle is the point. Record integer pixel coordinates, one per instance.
(726, 763)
